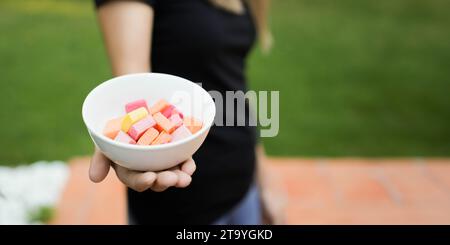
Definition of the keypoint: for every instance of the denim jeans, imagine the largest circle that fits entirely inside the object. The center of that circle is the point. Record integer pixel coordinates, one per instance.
(246, 212)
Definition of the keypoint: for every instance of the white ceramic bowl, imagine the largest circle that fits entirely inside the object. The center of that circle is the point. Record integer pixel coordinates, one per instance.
(108, 100)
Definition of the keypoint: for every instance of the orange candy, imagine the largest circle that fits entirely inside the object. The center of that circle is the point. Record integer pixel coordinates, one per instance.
(159, 106)
(113, 127)
(192, 124)
(162, 138)
(163, 123)
(148, 137)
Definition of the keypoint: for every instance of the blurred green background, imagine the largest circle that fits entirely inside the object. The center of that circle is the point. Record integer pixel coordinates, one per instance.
(356, 77)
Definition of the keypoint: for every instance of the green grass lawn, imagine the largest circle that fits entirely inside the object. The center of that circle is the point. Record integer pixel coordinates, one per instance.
(356, 77)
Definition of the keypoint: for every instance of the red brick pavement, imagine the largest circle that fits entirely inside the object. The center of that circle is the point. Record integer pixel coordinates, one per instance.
(320, 191)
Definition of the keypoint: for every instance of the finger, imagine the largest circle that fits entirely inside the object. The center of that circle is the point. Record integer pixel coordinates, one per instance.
(188, 166)
(99, 167)
(174, 168)
(183, 179)
(164, 180)
(138, 181)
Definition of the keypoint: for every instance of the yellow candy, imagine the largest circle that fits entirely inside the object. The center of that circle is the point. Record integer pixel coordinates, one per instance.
(132, 117)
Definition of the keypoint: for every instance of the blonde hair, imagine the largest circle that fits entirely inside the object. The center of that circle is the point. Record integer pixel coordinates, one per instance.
(259, 10)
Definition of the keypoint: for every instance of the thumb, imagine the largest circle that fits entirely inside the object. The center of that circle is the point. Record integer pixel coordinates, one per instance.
(99, 167)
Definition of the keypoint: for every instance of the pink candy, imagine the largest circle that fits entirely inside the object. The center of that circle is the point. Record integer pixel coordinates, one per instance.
(135, 105)
(180, 133)
(168, 111)
(176, 119)
(139, 128)
(125, 138)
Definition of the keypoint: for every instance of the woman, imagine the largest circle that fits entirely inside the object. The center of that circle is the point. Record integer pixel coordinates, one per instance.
(204, 41)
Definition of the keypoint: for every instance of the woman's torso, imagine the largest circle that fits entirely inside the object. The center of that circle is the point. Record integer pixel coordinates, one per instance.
(197, 41)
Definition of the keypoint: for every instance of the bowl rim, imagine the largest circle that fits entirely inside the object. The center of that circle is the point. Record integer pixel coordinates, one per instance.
(205, 127)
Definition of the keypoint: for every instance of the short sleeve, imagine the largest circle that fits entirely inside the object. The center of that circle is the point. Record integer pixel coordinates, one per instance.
(99, 3)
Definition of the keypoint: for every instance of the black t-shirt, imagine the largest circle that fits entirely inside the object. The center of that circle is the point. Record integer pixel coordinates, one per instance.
(197, 41)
